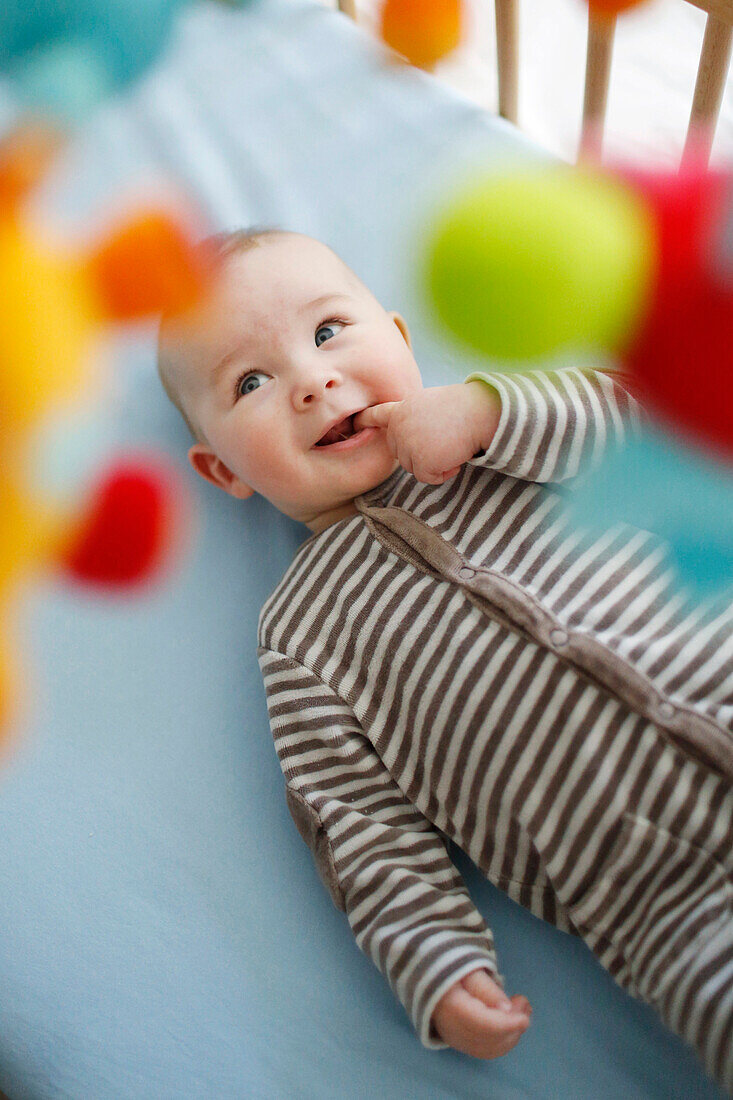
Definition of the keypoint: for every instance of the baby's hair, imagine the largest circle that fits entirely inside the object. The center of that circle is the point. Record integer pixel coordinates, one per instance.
(216, 251)
(220, 246)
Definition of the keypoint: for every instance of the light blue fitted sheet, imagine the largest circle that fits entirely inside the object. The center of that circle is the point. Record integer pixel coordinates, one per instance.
(163, 932)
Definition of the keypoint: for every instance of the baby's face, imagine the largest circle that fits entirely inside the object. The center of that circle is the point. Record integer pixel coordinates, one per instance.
(291, 346)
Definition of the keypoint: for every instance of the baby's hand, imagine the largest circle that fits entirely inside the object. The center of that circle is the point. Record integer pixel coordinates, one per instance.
(475, 1016)
(433, 432)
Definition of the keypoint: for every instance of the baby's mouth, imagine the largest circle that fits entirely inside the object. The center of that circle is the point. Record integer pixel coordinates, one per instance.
(343, 430)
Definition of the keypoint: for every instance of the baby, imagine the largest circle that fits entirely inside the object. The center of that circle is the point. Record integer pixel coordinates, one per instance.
(446, 660)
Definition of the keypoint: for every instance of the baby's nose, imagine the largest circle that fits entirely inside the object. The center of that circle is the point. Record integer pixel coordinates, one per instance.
(309, 390)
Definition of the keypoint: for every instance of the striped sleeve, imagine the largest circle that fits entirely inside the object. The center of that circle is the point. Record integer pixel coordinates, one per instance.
(385, 864)
(555, 424)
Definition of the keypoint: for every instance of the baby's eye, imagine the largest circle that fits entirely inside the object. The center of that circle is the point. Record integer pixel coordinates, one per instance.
(326, 332)
(251, 381)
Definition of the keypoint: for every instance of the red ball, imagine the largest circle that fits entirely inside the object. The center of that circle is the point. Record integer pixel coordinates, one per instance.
(682, 357)
(129, 528)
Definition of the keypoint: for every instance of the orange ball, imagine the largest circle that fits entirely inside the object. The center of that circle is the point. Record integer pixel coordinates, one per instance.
(26, 154)
(423, 31)
(147, 266)
(611, 8)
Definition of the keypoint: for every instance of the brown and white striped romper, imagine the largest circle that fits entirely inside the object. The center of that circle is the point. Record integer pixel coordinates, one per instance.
(454, 659)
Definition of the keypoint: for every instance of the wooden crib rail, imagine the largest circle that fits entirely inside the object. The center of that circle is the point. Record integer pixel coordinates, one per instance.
(507, 57)
(711, 74)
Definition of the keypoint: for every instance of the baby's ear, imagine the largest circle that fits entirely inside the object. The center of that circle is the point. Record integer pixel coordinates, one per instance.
(402, 326)
(212, 469)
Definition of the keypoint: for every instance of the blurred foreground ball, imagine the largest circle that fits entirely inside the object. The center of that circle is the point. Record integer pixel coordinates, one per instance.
(611, 8)
(423, 31)
(65, 56)
(528, 262)
(136, 519)
(661, 484)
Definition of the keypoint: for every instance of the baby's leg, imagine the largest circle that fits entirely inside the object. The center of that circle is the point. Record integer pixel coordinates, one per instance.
(695, 997)
(660, 914)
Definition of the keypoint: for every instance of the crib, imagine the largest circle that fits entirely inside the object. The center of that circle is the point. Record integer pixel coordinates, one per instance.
(711, 74)
(165, 934)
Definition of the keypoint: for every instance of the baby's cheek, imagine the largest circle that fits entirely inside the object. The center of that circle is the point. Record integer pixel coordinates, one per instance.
(405, 386)
(262, 459)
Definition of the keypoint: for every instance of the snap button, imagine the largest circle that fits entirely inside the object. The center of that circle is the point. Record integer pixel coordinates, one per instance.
(466, 572)
(558, 637)
(666, 710)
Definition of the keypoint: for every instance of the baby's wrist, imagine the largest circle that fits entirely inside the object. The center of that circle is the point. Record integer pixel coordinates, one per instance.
(484, 410)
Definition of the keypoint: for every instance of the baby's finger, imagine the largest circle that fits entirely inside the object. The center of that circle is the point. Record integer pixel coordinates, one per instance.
(428, 477)
(448, 474)
(480, 1018)
(433, 477)
(481, 985)
(376, 416)
(481, 1031)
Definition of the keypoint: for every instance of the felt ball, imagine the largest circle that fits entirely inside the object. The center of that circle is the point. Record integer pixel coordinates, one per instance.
(29, 533)
(65, 54)
(65, 79)
(128, 530)
(15, 689)
(525, 263)
(682, 355)
(611, 8)
(45, 336)
(26, 155)
(147, 266)
(660, 484)
(423, 31)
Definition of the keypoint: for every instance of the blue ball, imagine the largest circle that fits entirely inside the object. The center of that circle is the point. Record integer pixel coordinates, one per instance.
(65, 55)
(678, 493)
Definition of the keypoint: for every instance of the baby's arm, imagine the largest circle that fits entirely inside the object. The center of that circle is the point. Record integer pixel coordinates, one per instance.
(535, 425)
(383, 862)
(555, 424)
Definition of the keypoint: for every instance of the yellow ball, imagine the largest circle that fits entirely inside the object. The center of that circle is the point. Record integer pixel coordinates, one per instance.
(46, 332)
(524, 264)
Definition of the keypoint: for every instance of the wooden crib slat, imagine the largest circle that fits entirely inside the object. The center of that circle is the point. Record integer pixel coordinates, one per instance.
(507, 54)
(711, 77)
(723, 9)
(601, 32)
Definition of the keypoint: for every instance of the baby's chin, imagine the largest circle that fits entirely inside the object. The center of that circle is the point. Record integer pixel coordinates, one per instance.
(336, 483)
(379, 472)
(344, 495)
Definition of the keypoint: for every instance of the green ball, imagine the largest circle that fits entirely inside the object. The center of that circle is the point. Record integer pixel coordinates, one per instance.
(526, 264)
